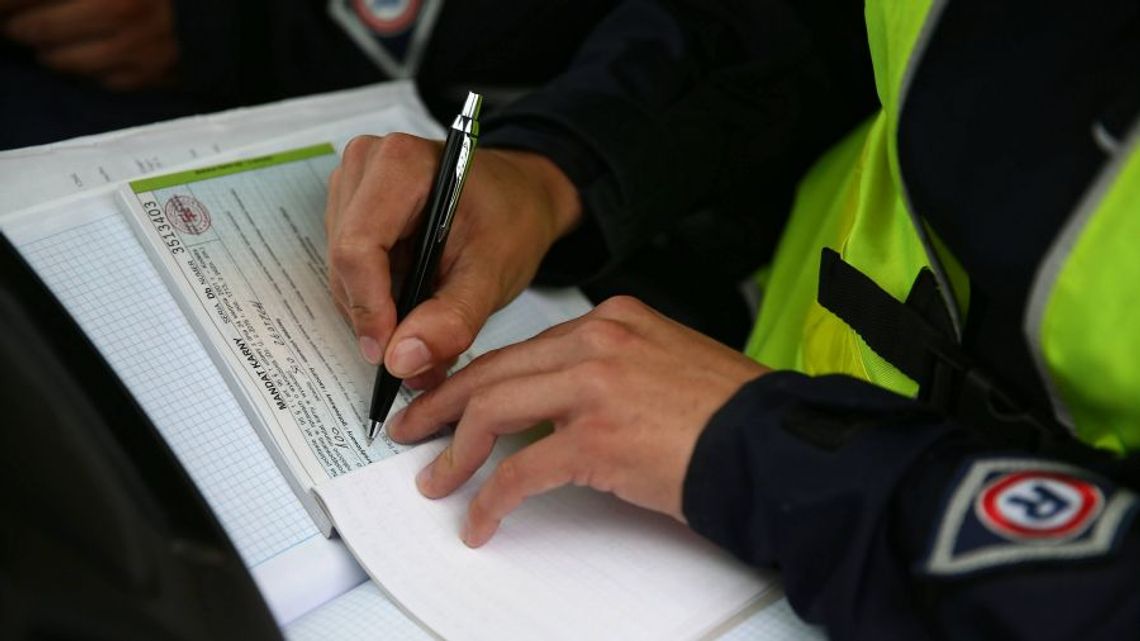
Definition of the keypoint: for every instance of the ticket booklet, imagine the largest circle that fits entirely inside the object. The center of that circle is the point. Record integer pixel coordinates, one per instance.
(242, 248)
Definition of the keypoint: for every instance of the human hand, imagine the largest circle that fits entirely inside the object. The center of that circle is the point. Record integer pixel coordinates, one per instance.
(514, 206)
(628, 391)
(121, 44)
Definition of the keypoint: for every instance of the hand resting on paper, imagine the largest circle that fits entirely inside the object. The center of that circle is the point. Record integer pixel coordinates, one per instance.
(121, 44)
(628, 391)
(515, 205)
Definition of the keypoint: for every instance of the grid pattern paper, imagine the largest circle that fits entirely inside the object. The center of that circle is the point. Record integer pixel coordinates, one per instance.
(104, 279)
(776, 622)
(361, 614)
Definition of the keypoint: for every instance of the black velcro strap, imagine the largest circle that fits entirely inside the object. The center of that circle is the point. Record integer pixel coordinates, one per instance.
(916, 337)
(896, 332)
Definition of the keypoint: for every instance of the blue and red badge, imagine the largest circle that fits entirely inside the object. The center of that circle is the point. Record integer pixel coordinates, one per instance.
(1003, 511)
(1036, 506)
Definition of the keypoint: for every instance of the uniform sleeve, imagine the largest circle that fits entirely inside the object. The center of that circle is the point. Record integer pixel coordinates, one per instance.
(247, 51)
(674, 107)
(888, 522)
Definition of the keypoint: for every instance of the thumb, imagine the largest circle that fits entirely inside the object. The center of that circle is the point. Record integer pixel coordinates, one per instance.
(442, 327)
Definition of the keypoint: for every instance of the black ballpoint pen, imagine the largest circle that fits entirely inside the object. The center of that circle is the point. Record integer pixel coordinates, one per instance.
(458, 152)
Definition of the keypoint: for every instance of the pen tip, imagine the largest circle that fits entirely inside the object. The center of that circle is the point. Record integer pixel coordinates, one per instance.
(373, 430)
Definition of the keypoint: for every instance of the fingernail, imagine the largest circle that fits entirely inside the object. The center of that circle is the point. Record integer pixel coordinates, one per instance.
(409, 358)
(422, 480)
(392, 425)
(370, 350)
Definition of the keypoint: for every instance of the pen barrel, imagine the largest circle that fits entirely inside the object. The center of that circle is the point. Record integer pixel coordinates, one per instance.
(384, 391)
(431, 237)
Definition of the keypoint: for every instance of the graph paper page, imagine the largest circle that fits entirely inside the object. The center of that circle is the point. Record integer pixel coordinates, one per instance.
(89, 257)
(362, 614)
(776, 622)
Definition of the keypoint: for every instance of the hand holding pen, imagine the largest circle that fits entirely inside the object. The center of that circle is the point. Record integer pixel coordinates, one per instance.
(430, 239)
(514, 206)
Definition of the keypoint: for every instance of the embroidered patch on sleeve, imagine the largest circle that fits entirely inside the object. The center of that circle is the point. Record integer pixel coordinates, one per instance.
(1005, 511)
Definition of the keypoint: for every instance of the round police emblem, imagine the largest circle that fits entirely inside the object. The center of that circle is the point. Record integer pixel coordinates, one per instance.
(387, 17)
(1038, 506)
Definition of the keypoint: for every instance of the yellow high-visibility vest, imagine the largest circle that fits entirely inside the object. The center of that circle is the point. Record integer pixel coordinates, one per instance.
(1083, 317)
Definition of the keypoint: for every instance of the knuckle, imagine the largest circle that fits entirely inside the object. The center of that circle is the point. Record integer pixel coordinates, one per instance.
(596, 378)
(622, 307)
(399, 145)
(347, 256)
(480, 407)
(459, 322)
(357, 150)
(508, 476)
(361, 317)
(484, 360)
(602, 335)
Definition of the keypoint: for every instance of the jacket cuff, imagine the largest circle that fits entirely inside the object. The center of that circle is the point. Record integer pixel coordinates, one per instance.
(797, 472)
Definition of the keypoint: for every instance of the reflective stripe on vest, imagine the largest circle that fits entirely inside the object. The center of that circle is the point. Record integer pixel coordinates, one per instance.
(1083, 320)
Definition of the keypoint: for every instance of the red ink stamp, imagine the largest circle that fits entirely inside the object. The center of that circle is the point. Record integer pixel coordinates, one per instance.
(187, 215)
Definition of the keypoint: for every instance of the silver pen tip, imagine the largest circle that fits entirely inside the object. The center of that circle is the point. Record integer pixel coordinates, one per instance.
(472, 105)
(373, 430)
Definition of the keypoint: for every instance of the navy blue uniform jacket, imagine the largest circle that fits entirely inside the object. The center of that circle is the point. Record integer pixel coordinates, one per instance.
(887, 519)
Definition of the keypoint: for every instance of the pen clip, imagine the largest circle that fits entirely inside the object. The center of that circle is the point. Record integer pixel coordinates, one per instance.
(461, 168)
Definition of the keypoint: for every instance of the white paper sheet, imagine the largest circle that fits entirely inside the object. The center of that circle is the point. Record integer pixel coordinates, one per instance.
(35, 175)
(569, 564)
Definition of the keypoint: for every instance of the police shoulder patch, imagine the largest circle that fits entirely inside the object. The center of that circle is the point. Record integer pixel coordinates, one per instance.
(1003, 511)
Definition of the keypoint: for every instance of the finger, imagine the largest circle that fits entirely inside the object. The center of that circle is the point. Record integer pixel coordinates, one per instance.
(476, 283)
(538, 468)
(429, 379)
(451, 400)
(342, 181)
(355, 155)
(340, 297)
(336, 287)
(332, 200)
(373, 219)
(442, 327)
(505, 408)
(58, 23)
(87, 57)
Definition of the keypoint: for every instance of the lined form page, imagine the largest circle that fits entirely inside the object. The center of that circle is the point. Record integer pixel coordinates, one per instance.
(570, 564)
(89, 257)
